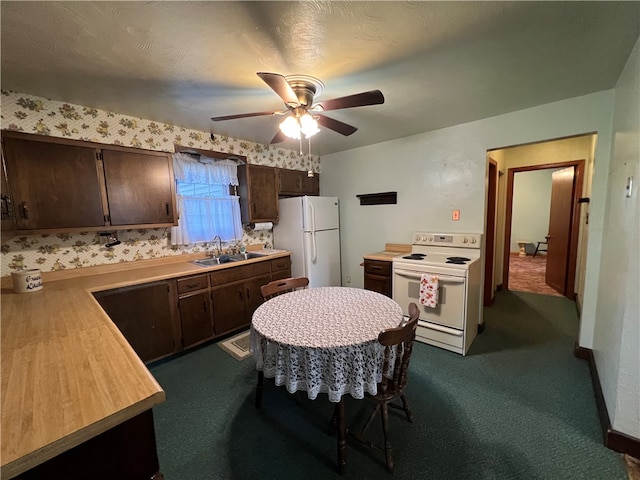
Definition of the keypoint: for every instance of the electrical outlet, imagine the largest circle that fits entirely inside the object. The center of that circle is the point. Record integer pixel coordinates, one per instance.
(455, 215)
(348, 278)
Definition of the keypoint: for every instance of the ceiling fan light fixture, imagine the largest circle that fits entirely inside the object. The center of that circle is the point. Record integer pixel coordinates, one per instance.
(290, 127)
(308, 125)
(294, 127)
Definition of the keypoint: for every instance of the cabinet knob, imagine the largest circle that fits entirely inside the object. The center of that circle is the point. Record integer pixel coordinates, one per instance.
(25, 210)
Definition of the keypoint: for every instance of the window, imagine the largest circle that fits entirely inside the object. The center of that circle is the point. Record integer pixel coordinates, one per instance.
(205, 206)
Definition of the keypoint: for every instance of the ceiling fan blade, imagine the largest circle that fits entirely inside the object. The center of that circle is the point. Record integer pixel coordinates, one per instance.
(282, 88)
(336, 125)
(241, 115)
(372, 97)
(279, 137)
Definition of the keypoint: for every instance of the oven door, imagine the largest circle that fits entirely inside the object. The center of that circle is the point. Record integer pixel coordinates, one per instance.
(450, 310)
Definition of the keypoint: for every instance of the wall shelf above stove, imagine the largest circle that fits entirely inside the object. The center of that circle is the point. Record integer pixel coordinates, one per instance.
(385, 198)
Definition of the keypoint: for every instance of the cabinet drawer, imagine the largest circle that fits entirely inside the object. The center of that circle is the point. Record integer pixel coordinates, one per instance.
(377, 267)
(191, 284)
(282, 263)
(240, 273)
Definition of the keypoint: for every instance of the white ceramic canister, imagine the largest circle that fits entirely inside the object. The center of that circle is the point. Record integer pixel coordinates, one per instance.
(27, 281)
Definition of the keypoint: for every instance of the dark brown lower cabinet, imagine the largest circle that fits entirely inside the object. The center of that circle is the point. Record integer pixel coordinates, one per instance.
(125, 452)
(145, 316)
(377, 276)
(196, 319)
(234, 303)
(162, 318)
(280, 268)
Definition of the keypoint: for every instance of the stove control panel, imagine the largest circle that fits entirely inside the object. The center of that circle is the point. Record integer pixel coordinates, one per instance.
(467, 240)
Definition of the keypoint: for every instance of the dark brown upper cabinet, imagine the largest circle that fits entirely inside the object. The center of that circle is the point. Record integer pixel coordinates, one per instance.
(293, 183)
(59, 185)
(139, 187)
(258, 191)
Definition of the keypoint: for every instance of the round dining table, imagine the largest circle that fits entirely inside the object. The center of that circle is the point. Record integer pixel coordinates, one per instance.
(323, 340)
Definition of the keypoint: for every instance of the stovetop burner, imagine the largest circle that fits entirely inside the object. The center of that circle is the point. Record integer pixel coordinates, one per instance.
(457, 260)
(415, 256)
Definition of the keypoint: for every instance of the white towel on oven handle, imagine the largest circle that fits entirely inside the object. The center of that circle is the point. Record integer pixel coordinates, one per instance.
(429, 290)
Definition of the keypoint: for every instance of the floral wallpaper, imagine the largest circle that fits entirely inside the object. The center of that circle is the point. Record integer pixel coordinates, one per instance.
(31, 114)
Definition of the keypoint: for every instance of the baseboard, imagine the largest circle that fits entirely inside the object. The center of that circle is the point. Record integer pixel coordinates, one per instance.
(613, 439)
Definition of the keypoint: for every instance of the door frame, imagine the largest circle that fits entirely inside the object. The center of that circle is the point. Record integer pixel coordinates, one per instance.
(578, 184)
(490, 231)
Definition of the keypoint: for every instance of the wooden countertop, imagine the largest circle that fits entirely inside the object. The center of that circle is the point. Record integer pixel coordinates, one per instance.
(391, 250)
(67, 373)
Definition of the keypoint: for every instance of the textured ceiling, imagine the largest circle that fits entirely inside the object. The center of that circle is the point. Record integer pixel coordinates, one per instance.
(437, 63)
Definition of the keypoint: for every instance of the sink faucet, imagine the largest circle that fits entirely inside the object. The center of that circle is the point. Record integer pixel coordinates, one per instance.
(219, 244)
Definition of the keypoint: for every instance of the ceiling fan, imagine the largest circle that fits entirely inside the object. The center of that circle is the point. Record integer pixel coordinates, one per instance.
(304, 116)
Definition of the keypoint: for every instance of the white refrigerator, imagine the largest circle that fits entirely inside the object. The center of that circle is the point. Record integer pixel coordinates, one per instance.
(309, 228)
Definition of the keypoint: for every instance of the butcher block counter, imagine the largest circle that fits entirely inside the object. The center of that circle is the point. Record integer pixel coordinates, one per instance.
(67, 372)
(390, 250)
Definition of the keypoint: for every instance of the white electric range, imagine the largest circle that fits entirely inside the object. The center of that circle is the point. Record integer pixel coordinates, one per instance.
(455, 260)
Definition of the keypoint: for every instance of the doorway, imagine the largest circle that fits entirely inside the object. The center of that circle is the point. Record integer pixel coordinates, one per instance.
(562, 236)
(553, 153)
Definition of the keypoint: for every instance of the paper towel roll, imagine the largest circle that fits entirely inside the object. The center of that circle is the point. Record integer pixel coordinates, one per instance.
(263, 226)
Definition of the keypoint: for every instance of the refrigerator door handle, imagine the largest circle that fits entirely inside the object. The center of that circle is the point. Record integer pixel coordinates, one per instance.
(312, 214)
(314, 248)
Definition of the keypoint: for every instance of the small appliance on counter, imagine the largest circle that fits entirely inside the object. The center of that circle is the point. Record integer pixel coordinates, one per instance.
(442, 275)
(309, 228)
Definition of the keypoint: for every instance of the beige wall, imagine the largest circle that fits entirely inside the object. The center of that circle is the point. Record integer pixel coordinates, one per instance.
(555, 151)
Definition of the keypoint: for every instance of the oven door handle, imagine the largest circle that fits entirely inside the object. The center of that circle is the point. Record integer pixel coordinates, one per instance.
(418, 276)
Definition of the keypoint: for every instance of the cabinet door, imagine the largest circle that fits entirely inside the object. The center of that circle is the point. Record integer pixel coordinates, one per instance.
(196, 318)
(290, 182)
(139, 188)
(377, 284)
(54, 185)
(258, 193)
(6, 208)
(377, 276)
(280, 268)
(297, 182)
(229, 311)
(143, 314)
(253, 294)
(311, 185)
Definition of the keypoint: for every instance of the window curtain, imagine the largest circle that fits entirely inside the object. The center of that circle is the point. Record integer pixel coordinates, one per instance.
(204, 205)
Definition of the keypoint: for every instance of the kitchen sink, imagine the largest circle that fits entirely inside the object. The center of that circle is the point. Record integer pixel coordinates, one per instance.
(212, 261)
(244, 256)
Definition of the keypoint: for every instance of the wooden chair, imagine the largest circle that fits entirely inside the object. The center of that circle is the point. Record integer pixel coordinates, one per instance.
(538, 249)
(395, 340)
(278, 287)
(270, 290)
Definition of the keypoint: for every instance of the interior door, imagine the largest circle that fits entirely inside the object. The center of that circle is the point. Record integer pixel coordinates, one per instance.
(560, 219)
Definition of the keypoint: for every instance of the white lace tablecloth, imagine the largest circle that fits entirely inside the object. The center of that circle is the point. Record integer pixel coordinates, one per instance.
(323, 340)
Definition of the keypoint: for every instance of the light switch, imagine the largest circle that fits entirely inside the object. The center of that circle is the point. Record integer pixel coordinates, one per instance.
(455, 215)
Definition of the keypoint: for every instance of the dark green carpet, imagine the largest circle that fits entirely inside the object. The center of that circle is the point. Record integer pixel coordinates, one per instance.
(519, 406)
